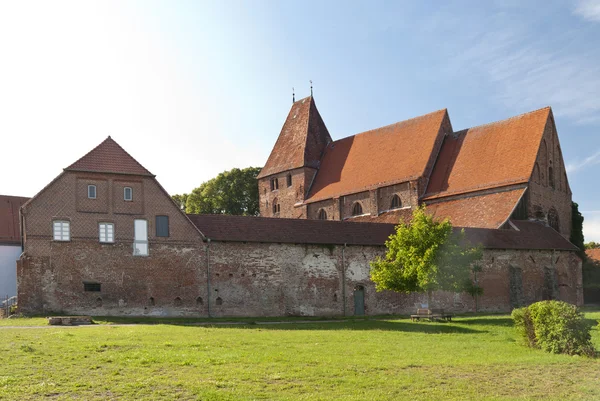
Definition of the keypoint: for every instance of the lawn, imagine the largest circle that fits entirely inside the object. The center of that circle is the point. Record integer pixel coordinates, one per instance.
(472, 358)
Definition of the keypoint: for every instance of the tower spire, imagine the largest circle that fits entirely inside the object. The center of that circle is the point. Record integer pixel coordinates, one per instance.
(293, 95)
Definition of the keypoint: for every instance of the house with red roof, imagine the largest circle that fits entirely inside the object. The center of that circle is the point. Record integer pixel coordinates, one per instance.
(480, 177)
(105, 238)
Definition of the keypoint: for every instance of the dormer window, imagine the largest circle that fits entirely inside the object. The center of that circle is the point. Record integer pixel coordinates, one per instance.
(357, 209)
(128, 193)
(396, 202)
(91, 192)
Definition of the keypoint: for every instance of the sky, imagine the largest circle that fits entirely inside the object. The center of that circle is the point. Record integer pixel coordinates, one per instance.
(192, 88)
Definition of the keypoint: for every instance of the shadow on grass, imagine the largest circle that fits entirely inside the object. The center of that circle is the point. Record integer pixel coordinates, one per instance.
(501, 322)
(302, 324)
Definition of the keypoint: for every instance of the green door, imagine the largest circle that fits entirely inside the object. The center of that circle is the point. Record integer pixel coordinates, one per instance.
(359, 300)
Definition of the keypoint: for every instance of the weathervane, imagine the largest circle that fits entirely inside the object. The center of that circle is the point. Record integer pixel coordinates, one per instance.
(293, 95)
(311, 87)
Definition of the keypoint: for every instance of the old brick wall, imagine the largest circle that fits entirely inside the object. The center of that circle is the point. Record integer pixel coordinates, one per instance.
(286, 196)
(406, 191)
(51, 273)
(542, 196)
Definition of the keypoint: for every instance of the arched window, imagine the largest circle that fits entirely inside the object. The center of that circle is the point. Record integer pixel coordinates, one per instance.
(322, 214)
(357, 209)
(396, 202)
(536, 173)
(553, 220)
(276, 206)
(289, 180)
(551, 177)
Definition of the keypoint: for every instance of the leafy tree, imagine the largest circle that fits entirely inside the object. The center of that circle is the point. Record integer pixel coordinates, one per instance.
(424, 256)
(591, 245)
(180, 200)
(231, 192)
(577, 229)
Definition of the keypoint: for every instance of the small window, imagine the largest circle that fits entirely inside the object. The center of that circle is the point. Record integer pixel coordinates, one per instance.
(140, 243)
(322, 214)
(106, 232)
(274, 184)
(289, 180)
(92, 287)
(62, 230)
(357, 209)
(128, 193)
(551, 177)
(162, 226)
(396, 202)
(91, 191)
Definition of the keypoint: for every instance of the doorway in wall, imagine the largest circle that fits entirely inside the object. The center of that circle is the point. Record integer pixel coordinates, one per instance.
(359, 300)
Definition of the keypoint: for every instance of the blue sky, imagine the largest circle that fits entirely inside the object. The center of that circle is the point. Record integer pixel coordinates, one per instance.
(193, 88)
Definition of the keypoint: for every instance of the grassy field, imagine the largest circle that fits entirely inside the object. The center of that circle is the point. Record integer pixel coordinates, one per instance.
(473, 358)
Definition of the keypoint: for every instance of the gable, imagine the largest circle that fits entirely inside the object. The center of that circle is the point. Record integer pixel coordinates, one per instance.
(488, 156)
(109, 157)
(395, 153)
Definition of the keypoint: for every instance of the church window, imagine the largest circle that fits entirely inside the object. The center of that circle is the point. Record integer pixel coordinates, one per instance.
(551, 177)
(276, 206)
(322, 214)
(553, 220)
(274, 184)
(396, 202)
(289, 180)
(357, 209)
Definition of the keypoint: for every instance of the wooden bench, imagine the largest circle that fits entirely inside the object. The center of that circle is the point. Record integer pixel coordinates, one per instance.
(69, 320)
(431, 315)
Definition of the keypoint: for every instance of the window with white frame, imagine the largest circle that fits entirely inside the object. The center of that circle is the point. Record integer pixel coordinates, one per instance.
(106, 232)
(140, 243)
(91, 191)
(62, 230)
(128, 193)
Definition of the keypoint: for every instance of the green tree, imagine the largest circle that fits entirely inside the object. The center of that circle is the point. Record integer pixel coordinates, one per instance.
(180, 200)
(577, 229)
(424, 256)
(591, 245)
(231, 192)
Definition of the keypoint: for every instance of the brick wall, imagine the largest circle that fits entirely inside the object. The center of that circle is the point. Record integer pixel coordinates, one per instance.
(286, 196)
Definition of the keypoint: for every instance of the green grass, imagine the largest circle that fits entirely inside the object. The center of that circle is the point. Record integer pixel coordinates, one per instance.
(473, 358)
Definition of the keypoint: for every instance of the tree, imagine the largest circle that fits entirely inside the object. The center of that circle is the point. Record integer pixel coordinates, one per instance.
(577, 229)
(180, 200)
(424, 256)
(231, 192)
(591, 245)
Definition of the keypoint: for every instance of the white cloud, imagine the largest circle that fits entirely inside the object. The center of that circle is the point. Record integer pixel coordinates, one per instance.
(588, 9)
(588, 161)
(591, 225)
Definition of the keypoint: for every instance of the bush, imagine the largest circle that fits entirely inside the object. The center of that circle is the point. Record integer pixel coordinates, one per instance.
(554, 326)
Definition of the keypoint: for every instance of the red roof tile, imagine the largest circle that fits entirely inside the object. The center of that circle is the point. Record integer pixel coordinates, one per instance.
(486, 211)
(301, 141)
(390, 217)
(10, 231)
(489, 156)
(395, 153)
(297, 231)
(109, 157)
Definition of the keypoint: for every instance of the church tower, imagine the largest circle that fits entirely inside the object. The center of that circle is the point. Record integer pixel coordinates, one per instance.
(293, 163)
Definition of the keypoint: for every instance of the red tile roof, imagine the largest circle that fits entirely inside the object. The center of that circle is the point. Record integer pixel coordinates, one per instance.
(301, 141)
(391, 217)
(10, 231)
(532, 235)
(486, 211)
(593, 254)
(109, 157)
(391, 154)
(489, 156)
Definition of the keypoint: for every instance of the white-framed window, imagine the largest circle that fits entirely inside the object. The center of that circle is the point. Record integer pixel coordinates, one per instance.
(140, 242)
(91, 191)
(62, 230)
(106, 232)
(128, 193)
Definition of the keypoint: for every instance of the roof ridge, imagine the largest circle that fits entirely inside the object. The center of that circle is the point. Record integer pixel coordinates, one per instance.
(504, 120)
(391, 125)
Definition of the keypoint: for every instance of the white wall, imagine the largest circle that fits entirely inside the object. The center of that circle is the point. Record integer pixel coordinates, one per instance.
(8, 270)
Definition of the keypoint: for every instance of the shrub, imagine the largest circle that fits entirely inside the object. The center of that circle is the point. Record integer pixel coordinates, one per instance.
(554, 326)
